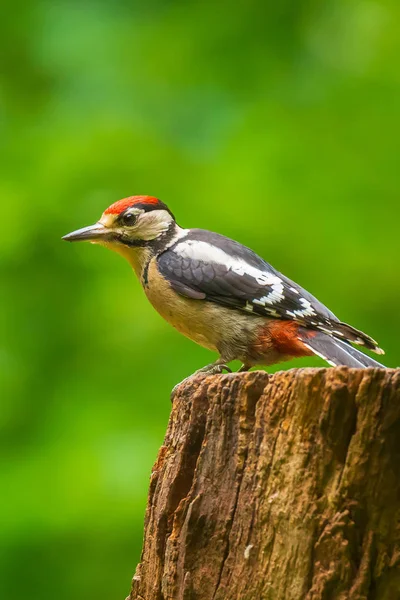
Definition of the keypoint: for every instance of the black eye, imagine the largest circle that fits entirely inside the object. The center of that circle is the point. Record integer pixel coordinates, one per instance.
(128, 219)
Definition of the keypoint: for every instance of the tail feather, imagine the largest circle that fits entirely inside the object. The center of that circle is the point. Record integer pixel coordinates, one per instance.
(344, 332)
(336, 351)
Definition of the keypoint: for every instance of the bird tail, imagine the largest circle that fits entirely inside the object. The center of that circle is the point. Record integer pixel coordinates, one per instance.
(336, 351)
(348, 333)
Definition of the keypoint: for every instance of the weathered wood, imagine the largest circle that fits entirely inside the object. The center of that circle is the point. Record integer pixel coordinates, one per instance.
(279, 489)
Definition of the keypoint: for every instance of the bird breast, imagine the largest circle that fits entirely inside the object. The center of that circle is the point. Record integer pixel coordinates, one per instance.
(212, 326)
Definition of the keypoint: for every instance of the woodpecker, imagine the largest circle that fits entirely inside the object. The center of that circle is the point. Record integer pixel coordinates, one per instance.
(222, 295)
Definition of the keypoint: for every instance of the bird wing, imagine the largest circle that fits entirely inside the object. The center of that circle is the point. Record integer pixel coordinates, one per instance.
(208, 266)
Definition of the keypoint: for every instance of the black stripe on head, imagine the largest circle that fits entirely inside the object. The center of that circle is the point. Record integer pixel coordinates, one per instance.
(156, 244)
(147, 207)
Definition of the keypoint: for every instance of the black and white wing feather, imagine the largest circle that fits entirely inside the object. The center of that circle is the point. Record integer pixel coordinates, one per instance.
(209, 266)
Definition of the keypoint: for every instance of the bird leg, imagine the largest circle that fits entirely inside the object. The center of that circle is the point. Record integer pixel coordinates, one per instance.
(215, 368)
(244, 368)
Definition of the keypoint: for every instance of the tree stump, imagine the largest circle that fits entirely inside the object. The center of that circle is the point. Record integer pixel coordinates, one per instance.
(277, 488)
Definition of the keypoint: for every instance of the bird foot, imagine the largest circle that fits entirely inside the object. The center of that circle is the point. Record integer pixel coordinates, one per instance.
(205, 371)
(212, 370)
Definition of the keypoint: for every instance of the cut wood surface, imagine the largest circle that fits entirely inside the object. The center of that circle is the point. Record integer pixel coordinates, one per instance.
(279, 488)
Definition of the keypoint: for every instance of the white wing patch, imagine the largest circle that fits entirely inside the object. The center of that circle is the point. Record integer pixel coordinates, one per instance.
(276, 295)
(307, 311)
(198, 250)
(204, 251)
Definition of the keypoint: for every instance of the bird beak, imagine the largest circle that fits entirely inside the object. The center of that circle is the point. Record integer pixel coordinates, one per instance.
(92, 233)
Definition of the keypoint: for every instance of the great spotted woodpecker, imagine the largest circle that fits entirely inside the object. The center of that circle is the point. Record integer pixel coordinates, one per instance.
(220, 294)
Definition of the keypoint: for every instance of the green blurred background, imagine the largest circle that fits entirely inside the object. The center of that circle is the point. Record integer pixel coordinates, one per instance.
(276, 123)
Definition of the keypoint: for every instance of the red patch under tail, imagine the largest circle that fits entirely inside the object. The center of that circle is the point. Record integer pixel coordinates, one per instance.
(284, 336)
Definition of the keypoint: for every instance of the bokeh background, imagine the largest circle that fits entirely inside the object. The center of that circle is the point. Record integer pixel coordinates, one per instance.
(276, 123)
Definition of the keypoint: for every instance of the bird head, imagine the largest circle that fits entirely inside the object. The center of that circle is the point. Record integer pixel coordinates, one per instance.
(134, 222)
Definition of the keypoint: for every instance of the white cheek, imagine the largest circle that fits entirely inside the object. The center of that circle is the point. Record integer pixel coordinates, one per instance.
(152, 224)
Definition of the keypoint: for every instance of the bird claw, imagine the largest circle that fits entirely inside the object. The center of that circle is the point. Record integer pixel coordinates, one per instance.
(218, 369)
(205, 371)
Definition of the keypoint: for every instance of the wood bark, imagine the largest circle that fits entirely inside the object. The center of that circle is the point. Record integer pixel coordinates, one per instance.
(277, 488)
